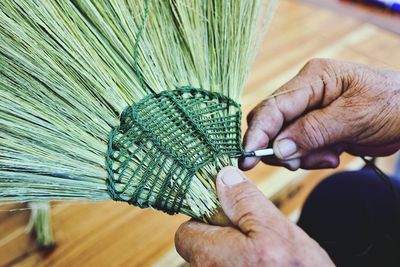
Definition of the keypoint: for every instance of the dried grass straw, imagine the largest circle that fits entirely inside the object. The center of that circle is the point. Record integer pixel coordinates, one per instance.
(67, 72)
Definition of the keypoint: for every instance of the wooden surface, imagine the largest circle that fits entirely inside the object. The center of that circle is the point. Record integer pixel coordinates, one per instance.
(381, 17)
(116, 234)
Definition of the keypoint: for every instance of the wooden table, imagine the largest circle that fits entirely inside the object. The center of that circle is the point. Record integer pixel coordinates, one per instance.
(116, 234)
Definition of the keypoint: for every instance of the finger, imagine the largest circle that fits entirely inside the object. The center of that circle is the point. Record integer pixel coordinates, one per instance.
(374, 151)
(189, 237)
(194, 240)
(315, 130)
(259, 133)
(292, 164)
(321, 159)
(243, 203)
(324, 158)
(315, 86)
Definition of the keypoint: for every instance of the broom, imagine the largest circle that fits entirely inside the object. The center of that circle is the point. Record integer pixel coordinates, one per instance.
(40, 224)
(129, 100)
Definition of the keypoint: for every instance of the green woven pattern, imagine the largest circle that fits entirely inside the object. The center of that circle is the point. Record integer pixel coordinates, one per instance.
(164, 140)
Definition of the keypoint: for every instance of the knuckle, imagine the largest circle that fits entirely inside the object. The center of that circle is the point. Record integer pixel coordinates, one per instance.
(242, 202)
(250, 116)
(315, 61)
(255, 112)
(319, 65)
(316, 134)
(310, 65)
(246, 220)
(318, 62)
(242, 196)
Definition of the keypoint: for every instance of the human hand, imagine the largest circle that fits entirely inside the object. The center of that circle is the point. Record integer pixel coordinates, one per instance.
(260, 234)
(328, 108)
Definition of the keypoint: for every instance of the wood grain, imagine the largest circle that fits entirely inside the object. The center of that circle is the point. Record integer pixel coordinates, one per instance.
(116, 234)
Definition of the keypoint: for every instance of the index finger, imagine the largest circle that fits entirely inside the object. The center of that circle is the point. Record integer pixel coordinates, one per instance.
(196, 241)
(313, 86)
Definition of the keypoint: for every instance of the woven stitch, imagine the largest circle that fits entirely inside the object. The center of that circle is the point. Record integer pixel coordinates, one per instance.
(164, 139)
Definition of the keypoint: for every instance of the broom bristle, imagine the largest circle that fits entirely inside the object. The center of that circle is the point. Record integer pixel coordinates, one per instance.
(40, 224)
(69, 68)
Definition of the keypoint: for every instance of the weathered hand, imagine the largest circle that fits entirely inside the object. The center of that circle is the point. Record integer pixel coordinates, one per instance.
(329, 107)
(260, 234)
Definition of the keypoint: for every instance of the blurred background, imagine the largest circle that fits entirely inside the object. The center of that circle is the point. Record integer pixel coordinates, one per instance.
(116, 234)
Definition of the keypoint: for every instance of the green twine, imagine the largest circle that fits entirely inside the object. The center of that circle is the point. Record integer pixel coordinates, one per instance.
(164, 140)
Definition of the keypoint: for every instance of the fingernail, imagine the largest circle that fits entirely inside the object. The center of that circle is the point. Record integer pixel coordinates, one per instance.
(286, 148)
(292, 164)
(231, 176)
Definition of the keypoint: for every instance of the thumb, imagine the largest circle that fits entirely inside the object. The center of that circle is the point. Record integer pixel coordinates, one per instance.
(243, 203)
(315, 130)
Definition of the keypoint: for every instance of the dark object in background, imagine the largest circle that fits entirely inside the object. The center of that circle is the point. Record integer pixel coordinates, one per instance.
(354, 217)
(392, 5)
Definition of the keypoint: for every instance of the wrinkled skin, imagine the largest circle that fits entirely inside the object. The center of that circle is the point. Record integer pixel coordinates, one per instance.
(339, 107)
(260, 234)
(328, 108)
